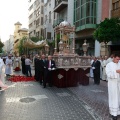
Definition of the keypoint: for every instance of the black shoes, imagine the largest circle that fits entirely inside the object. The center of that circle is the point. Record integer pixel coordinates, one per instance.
(114, 117)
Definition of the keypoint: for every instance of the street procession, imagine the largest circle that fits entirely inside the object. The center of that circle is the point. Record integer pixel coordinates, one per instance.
(60, 60)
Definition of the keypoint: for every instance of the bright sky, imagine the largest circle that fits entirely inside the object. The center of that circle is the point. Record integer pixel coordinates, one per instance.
(12, 11)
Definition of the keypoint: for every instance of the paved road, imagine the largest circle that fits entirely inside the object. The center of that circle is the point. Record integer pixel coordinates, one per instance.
(30, 101)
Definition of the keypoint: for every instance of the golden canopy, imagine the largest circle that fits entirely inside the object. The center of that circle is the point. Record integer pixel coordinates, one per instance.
(30, 44)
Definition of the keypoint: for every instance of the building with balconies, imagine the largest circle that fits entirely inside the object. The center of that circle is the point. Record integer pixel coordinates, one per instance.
(85, 20)
(48, 20)
(36, 15)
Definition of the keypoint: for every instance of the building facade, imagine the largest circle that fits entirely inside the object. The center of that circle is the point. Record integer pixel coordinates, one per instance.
(8, 45)
(85, 20)
(19, 33)
(48, 20)
(36, 15)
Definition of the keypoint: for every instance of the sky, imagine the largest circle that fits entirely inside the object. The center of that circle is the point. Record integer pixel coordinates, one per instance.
(12, 11)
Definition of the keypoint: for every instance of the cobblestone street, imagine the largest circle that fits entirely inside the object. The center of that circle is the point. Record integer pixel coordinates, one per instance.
(30, 101)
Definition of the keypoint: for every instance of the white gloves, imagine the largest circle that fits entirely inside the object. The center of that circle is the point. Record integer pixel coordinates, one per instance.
(53, 68)
(49, 69)
(93, 68)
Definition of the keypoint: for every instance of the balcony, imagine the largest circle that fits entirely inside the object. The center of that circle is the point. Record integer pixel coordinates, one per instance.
(57, 22)
(115, 13)
(60, 5)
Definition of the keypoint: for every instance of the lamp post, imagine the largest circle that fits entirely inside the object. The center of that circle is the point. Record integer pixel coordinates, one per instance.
(85, 47)
(46, 49)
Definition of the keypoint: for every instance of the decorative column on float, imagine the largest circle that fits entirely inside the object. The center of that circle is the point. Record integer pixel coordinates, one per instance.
(85, 47)
(55, 49)
(46, 49)
(73, 49)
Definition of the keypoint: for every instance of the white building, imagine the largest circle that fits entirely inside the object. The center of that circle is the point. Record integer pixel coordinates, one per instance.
(8, 45)
(48, 19)
(36, 14)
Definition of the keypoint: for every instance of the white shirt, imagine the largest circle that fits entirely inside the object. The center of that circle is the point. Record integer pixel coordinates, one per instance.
(27, 61)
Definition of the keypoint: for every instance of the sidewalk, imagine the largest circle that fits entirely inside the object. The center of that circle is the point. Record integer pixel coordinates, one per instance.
(30, 101)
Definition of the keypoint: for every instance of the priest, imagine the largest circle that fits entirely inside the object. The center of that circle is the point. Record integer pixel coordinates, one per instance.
(17, 64)
(8, 69)
(113, 76)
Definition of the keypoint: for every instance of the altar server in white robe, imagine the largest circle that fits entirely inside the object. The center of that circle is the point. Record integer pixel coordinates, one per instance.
(8, 63)
(91, 70)
(113, 76)
(2, 79)
(17, 61)
(110, 58)
(104, 63)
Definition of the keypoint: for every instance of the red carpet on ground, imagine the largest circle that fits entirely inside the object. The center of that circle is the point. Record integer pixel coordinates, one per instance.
(19, 78)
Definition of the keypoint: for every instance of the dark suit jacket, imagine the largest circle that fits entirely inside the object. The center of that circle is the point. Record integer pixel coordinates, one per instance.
(38, 65)
(43, 63)
(97, 66)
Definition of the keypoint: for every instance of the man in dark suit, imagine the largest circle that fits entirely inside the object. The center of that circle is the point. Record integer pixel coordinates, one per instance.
(96, 71)
(49, 67)
(42, 62)
(35, 65)
(37, 69)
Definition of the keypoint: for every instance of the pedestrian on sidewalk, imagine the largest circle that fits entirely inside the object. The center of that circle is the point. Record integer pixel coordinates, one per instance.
(28, 62)
(113, 76)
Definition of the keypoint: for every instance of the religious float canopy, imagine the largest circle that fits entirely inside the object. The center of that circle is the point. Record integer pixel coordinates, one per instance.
(30, 44)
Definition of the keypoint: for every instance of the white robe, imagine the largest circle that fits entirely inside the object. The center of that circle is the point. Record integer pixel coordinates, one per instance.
(104, 76)
(109, 60)
(2, 75)
(91, 70)
(16, 62)
(8, 66)
(113, 88)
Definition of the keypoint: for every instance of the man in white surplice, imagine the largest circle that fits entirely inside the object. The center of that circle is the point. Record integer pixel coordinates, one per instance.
(113, 76)
(8, 67)
(104, 63)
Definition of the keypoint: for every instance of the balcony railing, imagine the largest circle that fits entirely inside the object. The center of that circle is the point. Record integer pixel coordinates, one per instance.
(60, 5)
(57, 22)
(115, 13)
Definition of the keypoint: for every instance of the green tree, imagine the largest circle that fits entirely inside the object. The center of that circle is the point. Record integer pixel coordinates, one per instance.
(36, 39)
(1, 45)
(108, 30)
(20, 47)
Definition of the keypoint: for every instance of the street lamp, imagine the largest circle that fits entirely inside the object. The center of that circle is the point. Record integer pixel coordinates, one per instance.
(85, 47)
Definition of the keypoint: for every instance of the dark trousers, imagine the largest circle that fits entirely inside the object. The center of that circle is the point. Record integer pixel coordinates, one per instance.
(28, 69)
(41, 76)
(97, 78)
(48, 78)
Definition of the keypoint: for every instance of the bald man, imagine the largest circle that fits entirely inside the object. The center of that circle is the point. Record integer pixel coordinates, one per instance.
(49, 67)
